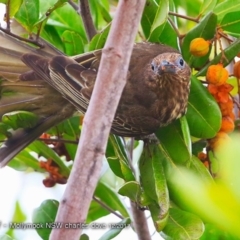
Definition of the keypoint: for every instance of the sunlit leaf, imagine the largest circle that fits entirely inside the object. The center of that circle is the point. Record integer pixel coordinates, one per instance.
(225, 7)
(183, 225)
(44, 216)
(203, 111)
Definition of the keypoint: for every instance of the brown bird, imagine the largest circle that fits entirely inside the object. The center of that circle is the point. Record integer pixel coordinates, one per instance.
(156, 92)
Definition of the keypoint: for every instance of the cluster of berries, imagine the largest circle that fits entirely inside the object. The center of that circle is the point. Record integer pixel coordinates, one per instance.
(217, 77)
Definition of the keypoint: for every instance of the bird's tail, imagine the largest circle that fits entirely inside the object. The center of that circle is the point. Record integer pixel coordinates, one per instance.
(22, 90)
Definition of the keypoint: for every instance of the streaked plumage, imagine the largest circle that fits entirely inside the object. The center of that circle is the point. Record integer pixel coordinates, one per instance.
(156, 92)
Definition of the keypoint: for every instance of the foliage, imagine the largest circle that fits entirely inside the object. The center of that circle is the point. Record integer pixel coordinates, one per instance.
(186, 197)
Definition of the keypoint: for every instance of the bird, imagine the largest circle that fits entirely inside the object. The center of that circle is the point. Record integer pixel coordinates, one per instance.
(54, 87)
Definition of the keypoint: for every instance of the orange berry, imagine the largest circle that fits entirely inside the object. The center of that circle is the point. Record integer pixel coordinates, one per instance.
(199, 47)
(202, 156)
(236, 69)
(226, 107)
(217, 74)
(227, 124)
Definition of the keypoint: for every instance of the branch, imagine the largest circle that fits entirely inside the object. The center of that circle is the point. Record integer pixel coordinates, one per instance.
(109, 85)
(87, 19)
(140, 223)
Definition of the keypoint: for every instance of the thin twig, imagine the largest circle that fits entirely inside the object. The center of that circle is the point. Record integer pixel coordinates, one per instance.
(184, 16)
(74, 6)
(175, 28)
(107, 208)
(87, 19)
(140, 223)
(57, 140)
(8, 15)
(21, 38)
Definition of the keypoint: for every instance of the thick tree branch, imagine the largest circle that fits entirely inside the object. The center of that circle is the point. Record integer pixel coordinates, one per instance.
(87, 19)
(110, 82)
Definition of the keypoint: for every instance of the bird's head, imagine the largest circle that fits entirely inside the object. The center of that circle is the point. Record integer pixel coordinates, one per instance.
(170, 64)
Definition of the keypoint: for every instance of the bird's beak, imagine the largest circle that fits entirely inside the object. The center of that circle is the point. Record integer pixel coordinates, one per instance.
(166, 67)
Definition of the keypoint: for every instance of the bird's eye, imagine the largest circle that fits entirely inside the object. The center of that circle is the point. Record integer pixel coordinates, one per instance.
(153, 66)
(180, 62)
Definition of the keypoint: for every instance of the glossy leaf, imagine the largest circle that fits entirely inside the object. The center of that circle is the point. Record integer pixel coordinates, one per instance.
(43, 150)
(168, 36)
(183, 225)
(230, 22)
(148, 17)
(225, 7)
(96, 211)
(186, 133)
(207, 6)
(177, 150)
(115, 229)
(28, 14)
(20, 119)
(159, 21)
(99, 39)
(84, 237)
(24, 160)
(73, 43)
(154, 184)
(45, 215)
(203, 114)
(206, 30)
(118, 160)
(131, 190)
(110, 198)
(14, 6)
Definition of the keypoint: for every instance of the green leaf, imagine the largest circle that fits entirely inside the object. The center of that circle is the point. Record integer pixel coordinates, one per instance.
(117, 159)
(213, 232)
(230, 22)
(84, 237)
(45, 215)
(98, 41)
(159, 21)
(186, 133)
(203, 114)
(20, 119)
(207, 6)
(24, 160)
(28, 14)
(154, 184)
(148, 17)
(230, 52)
(194, 191)
(14, 5)
(73, 43)
(108, 196)
(205, 29)
(183, 225)
(168, 36)
(116, 228)
(226, 7)
(4, 130)
(96, 211)
(45, 151)
(63, 18)
(131, 190)
(69, 127)
(172, 141)
(200, 170)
